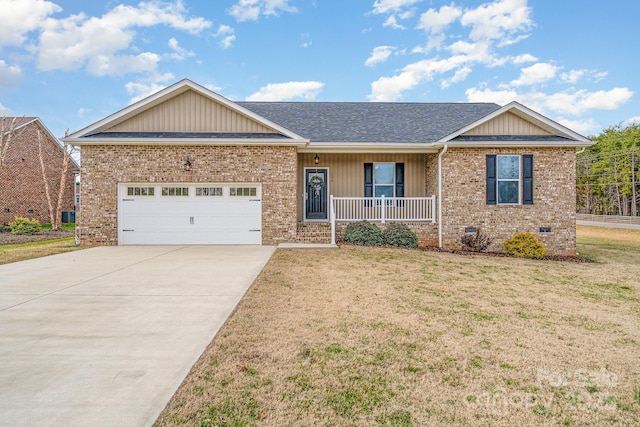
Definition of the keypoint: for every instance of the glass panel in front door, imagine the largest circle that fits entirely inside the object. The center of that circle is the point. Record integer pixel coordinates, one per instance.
(316, 194)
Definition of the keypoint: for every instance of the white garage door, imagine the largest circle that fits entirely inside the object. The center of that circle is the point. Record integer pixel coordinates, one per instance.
(189, 214)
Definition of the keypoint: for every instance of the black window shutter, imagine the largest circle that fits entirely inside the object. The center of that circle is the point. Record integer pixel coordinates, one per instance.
(491, 179)
(527, 179)
(399, 179)
(368, 180)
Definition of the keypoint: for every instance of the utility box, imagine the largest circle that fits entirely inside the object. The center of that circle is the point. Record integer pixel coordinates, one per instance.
(68, 217)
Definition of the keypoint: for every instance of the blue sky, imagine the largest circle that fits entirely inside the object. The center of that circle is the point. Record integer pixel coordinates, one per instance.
(72, 62)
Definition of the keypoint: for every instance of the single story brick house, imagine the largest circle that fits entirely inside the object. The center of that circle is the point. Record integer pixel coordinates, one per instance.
(188, 166)
(22, 189)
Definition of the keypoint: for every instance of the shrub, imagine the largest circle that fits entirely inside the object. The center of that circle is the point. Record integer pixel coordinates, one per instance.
(363, 233)
(398, 234)
(475, 242)
(525, 245)
(21, 225)
(4, 228)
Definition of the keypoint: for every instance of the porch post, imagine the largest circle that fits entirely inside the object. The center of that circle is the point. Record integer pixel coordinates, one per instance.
(383, 209)
(332, 217)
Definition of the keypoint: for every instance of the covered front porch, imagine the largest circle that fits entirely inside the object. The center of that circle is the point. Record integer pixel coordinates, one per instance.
(335, 189)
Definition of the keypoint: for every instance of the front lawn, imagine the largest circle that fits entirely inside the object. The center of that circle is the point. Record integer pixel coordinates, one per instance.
(370, 336)
(24, 251)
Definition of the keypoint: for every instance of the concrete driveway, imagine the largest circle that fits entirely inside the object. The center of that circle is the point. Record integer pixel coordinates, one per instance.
(104, 336)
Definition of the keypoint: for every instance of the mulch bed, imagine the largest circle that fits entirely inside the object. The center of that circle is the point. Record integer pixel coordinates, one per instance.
(504, 254)
(8, 238)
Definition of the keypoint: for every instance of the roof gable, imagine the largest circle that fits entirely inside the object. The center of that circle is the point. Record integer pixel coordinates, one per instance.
(184, 107)
(518, 122)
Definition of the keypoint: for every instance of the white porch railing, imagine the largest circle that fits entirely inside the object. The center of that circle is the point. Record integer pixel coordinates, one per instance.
(382, 209)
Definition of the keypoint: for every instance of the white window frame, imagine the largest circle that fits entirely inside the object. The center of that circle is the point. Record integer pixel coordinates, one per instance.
(499, 180)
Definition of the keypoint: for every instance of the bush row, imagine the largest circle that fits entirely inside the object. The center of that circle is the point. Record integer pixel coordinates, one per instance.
(364, 233)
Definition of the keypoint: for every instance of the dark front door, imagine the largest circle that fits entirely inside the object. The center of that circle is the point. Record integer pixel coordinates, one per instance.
(316, 193)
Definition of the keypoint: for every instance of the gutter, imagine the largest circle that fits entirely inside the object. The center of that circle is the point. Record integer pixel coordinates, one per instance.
(444, 150)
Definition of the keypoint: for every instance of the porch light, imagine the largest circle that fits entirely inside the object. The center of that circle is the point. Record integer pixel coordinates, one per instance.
(187, 165)
(316, 159)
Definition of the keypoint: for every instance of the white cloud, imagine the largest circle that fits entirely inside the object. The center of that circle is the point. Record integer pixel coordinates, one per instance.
(119, 65)
(460, 75)
(392, 22)
(524, 59)
(489, 27)
(4, 111)
(498, 20)
(72, 42)
(147, 86)
(391, 6)
(287, 91)
(395, 9)
(634, 119)
(19, 17)
(537, 73)
(179, 53)
(378, 55)
(251, 10)
(570, 103)
(583, 127)
(10, 75)
(227, 36)
(434, 22)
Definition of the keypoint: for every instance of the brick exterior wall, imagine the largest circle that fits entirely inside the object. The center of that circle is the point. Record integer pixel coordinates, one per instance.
(103, 167)
(21, 182)
(464, 199)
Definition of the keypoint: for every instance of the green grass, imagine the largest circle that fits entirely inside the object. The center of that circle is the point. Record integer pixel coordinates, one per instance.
(24, 251)
(67, 227)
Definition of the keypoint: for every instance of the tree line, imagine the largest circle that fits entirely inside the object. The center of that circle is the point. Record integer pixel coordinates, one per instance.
(607, 178)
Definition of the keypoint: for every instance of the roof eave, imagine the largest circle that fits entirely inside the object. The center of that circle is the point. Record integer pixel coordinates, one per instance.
(369, 147)
(517, 144)
(79, 142)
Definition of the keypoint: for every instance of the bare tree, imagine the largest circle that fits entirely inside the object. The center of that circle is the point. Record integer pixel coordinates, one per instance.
(7, 132)
(55, 210)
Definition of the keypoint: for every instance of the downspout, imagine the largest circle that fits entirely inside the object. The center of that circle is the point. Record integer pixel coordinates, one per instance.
(444, 150)
(581, 151)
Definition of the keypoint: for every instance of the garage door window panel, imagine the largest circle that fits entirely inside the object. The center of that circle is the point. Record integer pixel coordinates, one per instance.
(209, 192)
(140, 191)
(243, 192)
(175, 191)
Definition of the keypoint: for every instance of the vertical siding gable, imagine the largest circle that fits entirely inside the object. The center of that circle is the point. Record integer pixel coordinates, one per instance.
(507, 124)
(189, 111)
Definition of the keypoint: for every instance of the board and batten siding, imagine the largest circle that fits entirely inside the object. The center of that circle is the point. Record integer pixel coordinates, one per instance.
(507, 124)
(346, 173)
(190, 112)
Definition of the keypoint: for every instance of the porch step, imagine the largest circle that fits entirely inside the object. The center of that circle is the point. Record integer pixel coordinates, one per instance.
(313, 232)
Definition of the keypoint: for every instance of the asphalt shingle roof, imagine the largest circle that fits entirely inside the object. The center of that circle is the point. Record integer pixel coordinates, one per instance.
(384, 122)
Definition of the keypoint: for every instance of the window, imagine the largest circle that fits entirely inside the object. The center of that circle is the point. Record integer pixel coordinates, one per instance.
(209, 191)
(508, 177)
(175, 191)
(243, 192)
(508, 180)
(138, 191)
(384, 179)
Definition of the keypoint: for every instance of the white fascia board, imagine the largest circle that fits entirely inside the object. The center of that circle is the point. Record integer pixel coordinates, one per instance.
(518, 144)
(185, 141)
(178, 88)
(369, 147)
(562, 130)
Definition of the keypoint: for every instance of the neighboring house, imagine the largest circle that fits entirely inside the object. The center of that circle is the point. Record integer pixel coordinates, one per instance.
(188, 166)
(22, 189)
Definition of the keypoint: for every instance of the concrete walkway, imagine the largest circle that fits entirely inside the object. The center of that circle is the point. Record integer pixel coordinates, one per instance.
(104, 336)
(608, 224)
